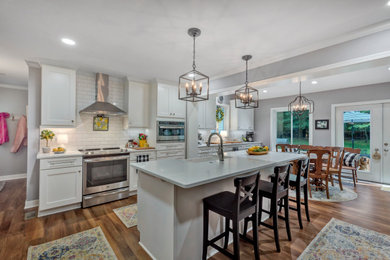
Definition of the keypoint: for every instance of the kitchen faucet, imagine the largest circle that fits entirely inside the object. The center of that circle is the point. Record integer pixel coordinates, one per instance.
(220, 147)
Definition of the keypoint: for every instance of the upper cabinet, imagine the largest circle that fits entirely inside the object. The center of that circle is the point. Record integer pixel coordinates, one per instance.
(168, 103)
(241, 119)
(138, 104)
(58, 96)
(206, 113)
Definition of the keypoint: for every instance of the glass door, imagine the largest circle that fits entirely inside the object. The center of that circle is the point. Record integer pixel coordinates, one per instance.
(287, 128)
(360, 127)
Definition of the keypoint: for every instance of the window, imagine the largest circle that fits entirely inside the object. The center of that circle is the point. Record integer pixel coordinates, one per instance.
(357, 130)
(290, 128)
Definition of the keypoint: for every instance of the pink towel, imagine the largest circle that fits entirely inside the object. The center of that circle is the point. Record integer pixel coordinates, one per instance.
(21, 135)
(3, 128)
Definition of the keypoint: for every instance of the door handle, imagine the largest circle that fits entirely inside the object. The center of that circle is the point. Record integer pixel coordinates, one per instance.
(386, 150)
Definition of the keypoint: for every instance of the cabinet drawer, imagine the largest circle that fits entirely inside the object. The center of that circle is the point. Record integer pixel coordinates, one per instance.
(174, 146)
(55, 163)
(171, 153)
(152, 155)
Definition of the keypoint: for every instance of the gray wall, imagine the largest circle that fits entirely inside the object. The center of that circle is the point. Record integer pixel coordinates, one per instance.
(323, 102)
(12, 101)
(33, 122)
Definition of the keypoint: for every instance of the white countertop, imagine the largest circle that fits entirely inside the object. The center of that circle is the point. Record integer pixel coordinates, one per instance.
(53, 155)
(229, 144)
(194, 172)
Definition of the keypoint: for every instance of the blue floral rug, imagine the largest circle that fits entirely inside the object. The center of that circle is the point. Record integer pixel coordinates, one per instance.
(90, 244)
(341, 240)
(335, 194)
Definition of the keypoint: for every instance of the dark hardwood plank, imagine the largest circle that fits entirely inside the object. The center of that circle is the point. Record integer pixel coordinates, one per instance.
(369, 210)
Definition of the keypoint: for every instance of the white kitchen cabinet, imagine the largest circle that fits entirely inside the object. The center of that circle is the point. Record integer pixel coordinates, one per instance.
(168, 103)
(60, 187)
(137, 104)
(133, 179)
(58, 96)
(206, 113)
(241, 119)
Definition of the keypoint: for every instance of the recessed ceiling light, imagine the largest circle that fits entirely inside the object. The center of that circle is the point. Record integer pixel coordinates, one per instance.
(388, 3)
(388, 68)
(68, 41)
(265, 91)
(314, 82)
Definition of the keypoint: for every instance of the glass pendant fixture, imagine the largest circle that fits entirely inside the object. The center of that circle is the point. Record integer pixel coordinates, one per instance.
(247, 97)
(301, 104)
(194, 85)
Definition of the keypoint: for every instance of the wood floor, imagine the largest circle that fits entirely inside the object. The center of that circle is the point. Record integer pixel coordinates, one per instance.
(371, 210)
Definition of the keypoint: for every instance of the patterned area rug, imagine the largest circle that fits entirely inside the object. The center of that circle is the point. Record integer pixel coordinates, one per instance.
(341, 240)
(128, 215)
(2, 184)
(89, 244)
(335, 194)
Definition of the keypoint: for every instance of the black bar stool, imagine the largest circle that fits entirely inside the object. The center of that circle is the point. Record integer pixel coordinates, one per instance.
(275, 190)
(233, 206)
(298, 182)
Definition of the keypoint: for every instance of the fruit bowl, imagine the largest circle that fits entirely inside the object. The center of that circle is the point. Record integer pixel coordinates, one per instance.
(59, 150)
(257, 153)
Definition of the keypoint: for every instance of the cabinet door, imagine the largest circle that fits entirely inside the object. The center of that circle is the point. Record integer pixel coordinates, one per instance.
(245, 119)
(138, 113)
(163, 100)
(201, 114)
(133, 179)
(59, 187)
(210, 112)
(58, 97)
(177, 107)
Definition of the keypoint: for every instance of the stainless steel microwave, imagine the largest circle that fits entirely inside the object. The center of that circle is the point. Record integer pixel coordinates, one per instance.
(170, 131)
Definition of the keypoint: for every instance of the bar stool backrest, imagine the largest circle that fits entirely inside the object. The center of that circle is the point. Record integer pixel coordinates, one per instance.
(282, 178)
(247, 191)
(303, 167)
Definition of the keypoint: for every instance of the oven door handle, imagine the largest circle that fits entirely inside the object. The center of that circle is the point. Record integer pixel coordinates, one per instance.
(103, 159)
(172, 127)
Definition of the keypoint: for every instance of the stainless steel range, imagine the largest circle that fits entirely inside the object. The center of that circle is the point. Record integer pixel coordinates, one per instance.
(105, 175)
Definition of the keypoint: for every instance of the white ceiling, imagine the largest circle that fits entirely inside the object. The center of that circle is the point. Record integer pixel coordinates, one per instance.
(354, 78)
(147, 39)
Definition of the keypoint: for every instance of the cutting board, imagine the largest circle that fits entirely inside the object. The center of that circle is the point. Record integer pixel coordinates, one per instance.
(143, 148)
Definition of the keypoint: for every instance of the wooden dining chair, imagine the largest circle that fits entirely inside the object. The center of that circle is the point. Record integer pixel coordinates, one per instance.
(281, 147)
(318, 173)
(352, 165)
(336, 163)
(292, 148)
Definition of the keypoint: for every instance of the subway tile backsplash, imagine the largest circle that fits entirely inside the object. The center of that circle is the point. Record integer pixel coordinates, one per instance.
(83, 135)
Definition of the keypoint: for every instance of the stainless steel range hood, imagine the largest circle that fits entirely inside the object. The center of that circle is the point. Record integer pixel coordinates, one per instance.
(102, 106)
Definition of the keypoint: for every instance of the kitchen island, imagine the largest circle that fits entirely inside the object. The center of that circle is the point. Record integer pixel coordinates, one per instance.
(170, 194)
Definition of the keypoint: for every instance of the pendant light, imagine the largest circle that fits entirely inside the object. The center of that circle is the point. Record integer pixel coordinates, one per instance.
(194, 85)
(247, 97)
(301, 104)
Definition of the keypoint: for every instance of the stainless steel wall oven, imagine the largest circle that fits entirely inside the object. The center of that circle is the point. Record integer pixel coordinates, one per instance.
(170, 131)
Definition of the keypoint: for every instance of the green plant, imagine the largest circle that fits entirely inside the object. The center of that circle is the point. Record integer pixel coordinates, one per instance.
(47, 135)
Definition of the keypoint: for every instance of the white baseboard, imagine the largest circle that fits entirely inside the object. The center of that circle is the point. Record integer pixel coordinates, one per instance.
(13, 177)
(59, 209)
(147, 251)
(31, 204)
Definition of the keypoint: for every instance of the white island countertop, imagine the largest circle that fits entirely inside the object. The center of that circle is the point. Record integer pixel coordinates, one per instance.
(198, 171)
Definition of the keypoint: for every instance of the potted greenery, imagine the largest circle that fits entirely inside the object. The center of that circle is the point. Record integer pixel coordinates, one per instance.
(47, 135)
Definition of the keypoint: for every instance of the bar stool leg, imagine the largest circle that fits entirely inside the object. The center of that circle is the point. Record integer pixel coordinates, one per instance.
(298, 192)
(286, 217)
(236, 239)
(274, 213)
(227, 224)
(255, 235)
(306, 200)
(205, 232)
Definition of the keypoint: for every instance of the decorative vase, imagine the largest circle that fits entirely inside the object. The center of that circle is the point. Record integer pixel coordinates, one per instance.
(46, 149)
(143, 143)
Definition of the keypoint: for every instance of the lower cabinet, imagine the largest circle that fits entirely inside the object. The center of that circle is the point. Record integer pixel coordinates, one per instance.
(60, 187)
(60, 184)
(133, 178)
(135, 157)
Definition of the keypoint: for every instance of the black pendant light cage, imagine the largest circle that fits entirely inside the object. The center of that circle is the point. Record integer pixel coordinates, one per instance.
(301, 104)
(193, 85)
(246, 97)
